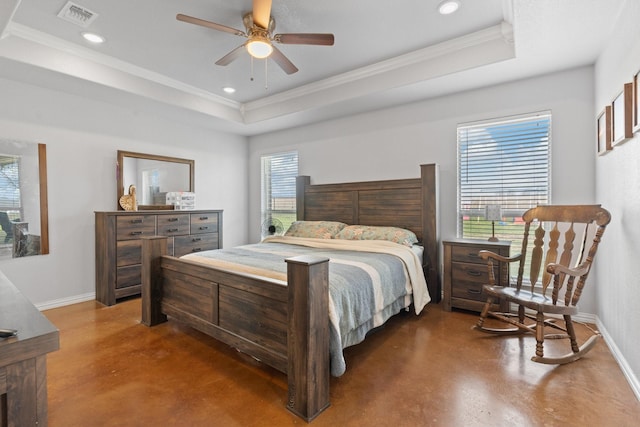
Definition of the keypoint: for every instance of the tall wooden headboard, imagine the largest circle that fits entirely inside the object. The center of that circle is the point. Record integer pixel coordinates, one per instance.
(406, 203)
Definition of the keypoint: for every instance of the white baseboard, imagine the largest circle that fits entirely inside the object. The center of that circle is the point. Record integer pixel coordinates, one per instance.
(632, 379)
(65, 301)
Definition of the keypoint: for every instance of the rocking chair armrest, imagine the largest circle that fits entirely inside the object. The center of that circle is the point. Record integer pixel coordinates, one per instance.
(485, 255)
(561, 269)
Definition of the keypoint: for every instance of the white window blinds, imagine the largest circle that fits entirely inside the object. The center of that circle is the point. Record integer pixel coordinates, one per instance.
(503, 162)
(9, 182)
(279, 173)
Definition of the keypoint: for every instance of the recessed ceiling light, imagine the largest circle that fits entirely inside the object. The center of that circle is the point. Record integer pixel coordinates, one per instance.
(228, 89)
(93, 38)
(447, 7)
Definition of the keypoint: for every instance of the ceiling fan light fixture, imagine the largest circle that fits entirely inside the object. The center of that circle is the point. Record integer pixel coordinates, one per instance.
(259, 48)
(447, 7)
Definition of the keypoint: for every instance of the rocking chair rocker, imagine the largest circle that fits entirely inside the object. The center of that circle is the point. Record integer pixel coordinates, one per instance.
(563, 224)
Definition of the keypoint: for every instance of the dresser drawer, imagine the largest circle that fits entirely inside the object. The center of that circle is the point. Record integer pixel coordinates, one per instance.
(204, 223)
(135, 226)
(173, 225)
(128, 276)
(467, 254)
(128, 252)
(201, 242)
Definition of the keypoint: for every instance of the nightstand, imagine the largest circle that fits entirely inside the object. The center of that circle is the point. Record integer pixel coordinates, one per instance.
(465, 272)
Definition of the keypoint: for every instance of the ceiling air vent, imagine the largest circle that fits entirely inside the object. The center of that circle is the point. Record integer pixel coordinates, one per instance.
(77, 14)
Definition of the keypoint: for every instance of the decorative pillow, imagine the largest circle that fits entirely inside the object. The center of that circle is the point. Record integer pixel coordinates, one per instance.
(315, 229)
(368, 232)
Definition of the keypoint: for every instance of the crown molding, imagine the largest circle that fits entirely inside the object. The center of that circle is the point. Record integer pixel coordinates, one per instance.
(35, 36)
(482, 47)
(502, 32)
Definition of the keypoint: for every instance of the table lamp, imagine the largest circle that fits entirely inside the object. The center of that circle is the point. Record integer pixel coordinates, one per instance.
(493, 213)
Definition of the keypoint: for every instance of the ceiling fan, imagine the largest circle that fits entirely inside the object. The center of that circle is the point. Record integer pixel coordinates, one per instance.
(259, 26)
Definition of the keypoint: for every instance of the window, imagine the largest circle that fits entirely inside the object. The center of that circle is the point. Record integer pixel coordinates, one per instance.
(9, 182)
(279, 173)
(502, 162)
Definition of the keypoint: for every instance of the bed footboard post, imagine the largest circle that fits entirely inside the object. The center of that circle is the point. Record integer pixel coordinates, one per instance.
(308, 335)
(152, 250)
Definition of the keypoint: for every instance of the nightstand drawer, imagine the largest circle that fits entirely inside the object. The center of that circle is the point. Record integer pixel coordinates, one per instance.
(468, 290)
(467, 254)
(470, 272)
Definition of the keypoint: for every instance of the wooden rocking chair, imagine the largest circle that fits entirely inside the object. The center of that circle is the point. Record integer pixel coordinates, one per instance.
(567, 267)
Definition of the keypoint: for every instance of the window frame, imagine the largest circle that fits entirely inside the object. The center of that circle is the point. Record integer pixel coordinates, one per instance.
(483, 229)
(268, 202)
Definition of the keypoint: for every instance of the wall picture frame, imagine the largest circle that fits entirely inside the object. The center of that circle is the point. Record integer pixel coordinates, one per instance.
(622, 116)
(636, 102)
(603, 131)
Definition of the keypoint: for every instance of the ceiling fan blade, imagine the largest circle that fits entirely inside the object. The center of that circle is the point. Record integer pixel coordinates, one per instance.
(209, 24)
(262, 13)
(283, 61)
(231, 56)
(305, 38)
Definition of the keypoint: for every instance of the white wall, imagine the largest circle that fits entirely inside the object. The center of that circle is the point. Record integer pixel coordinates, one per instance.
(618, 189)
(392, 143)
(82, 137)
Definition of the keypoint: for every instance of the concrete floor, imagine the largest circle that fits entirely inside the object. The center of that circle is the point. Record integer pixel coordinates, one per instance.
(427, 370)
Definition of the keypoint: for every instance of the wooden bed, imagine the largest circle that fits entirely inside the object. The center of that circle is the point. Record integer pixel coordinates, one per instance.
(285, 325)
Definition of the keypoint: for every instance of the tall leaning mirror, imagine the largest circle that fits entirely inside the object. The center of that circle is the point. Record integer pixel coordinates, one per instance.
(24, 220)
(153, 177)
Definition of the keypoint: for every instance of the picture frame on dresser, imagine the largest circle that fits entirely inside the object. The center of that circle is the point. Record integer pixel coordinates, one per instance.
(622, 116)
(603, 131)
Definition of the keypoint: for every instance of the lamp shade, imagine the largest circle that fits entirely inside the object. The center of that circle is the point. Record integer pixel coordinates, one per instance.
(493, 212)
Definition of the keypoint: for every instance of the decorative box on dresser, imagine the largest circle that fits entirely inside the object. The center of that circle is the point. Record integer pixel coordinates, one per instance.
(465, 272)
(119, 244)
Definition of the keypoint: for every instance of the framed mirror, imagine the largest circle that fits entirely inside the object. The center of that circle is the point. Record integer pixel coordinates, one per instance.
(24, 215)
(153, 177)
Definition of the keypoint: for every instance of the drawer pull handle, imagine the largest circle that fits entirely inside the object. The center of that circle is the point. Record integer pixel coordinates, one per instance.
(196, 239)
(172, 219)
(473, 291)
(474, 273)
(204, 218)
(136, 221)
(135, 233)
(204, 228)
(172, 230)
(473, 255)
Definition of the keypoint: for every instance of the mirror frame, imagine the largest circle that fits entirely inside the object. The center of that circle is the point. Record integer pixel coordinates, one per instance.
(120, 163)
(44, 199)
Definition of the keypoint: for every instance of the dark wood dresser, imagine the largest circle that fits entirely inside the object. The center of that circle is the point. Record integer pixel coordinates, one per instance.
(119, 244)
(465, 272)
(23, 359)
